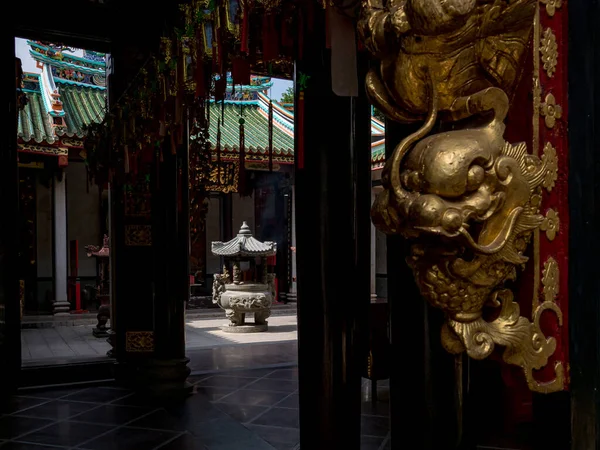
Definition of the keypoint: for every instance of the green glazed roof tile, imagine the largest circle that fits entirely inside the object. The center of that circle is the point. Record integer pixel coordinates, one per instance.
(256, 130)
(81, 105)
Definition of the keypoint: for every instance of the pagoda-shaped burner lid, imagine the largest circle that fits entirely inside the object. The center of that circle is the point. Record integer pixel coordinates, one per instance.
(244, 244)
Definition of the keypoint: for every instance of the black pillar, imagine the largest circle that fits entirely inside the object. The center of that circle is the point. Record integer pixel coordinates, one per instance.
(332, 208)
(426, 381)
(227, 217)
(584, 205)
(130, 239)
(166, 371)
(10, 339)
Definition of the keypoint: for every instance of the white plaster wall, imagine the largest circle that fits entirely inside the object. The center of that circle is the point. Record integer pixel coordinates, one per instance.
(243, 210)
(213, 233)
(44, 229)
(83, 212)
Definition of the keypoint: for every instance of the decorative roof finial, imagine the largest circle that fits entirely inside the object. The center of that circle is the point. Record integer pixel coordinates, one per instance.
(56, 103)
(245, 230)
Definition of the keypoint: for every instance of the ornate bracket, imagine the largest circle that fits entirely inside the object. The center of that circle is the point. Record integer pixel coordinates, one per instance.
(467, 199)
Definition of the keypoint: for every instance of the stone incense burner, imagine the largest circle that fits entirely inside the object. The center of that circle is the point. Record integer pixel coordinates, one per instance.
(250, 288)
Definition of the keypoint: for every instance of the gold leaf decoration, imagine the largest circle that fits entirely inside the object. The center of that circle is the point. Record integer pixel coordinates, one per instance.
(550, 277)
(139, 341)
(550, 160)
(550, 290)
(550, 111)
(552, 6)
(138, 235)
(551, 224)
(549, 51)
(470, 267)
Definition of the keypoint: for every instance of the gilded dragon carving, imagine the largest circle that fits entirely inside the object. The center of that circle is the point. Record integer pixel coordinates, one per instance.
(468, 199)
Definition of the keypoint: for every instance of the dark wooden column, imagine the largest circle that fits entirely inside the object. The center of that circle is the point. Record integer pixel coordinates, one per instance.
(150, 258)
(167, 369)
(10, 339)
(131, 256)
(426, 381)
(584, 204)
(152, 282)
(332, 210)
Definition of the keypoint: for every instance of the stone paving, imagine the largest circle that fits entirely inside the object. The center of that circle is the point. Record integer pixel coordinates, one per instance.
(250, 409)
(39, 345)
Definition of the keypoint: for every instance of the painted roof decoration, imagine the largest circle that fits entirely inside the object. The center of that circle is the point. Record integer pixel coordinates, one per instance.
(251, 103)
(377, 127)
(245, 245)
(67, 96)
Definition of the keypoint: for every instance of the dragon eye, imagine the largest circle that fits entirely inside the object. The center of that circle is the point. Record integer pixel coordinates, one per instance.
(452, 220)
(475, 177)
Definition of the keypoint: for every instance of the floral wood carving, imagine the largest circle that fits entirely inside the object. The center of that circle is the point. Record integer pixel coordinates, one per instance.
(551, 224)
(549, 51)
(552, 6)
(466, 198)
(550, 280)
(551, 111)
(550, 159)
(139, 341)
(138, 235)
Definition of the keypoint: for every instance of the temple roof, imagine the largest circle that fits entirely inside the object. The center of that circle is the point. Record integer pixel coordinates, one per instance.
(80, 107)
(62, 101)
(244, 244)
(255, 112)
(252, 104)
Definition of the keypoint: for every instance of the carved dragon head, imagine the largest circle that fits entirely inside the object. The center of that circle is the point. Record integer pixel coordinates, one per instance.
(468, 199)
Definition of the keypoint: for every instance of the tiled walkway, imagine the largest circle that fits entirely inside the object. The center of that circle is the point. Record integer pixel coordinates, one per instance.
(77, 342)
(238, 410)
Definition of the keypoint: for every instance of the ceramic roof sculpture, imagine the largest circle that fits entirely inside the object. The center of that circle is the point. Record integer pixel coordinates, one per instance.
(99, 252)
(244, 245)
(67, 96)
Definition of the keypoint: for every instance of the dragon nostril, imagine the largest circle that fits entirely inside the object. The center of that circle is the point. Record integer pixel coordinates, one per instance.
(452, 221)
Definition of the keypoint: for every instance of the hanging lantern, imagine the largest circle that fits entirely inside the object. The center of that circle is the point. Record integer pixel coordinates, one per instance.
(242, 150)
(270, 135)
(218, 148)
(299, 113)
(199, 76)
(270, 36)
(245, 7)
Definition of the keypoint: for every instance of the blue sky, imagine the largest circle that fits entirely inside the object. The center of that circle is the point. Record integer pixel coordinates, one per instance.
(279, 87)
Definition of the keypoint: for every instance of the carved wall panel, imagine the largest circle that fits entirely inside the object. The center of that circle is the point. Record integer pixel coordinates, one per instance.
(139, 341)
